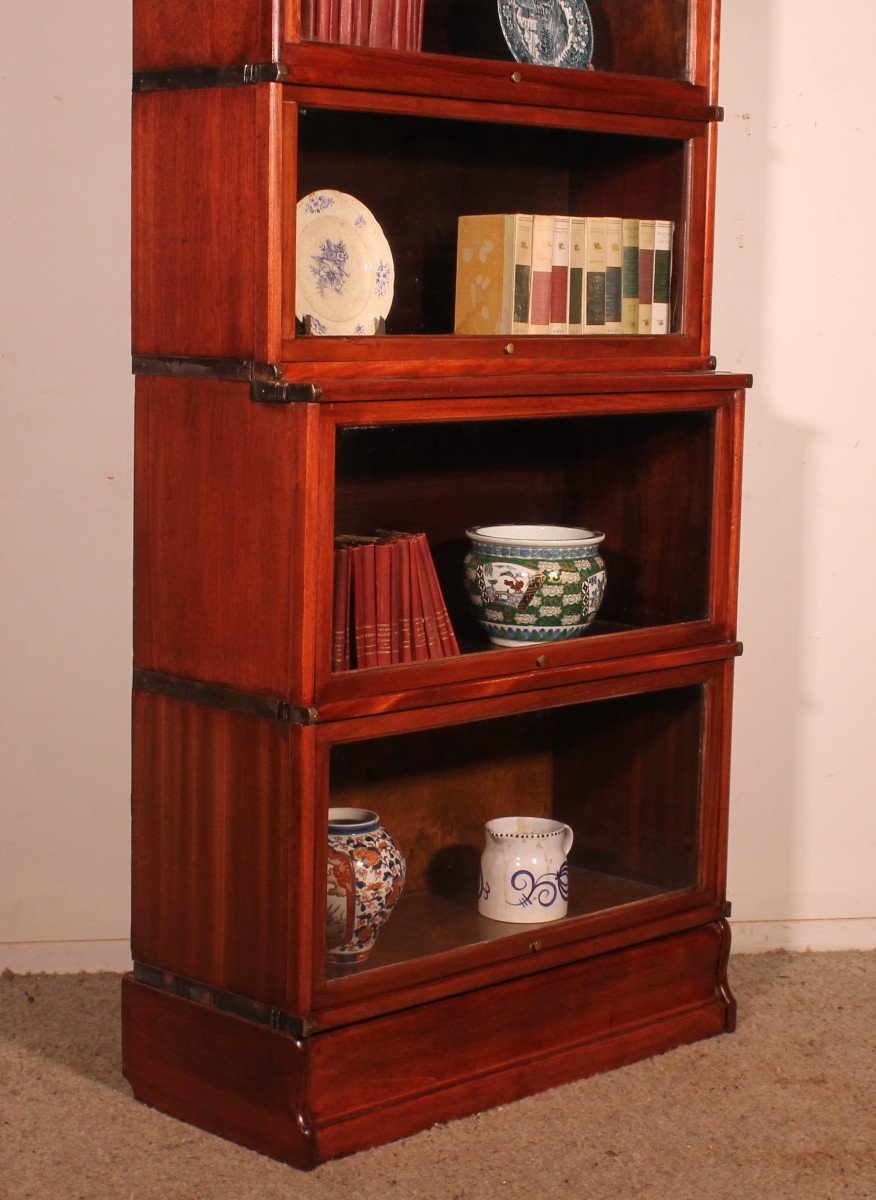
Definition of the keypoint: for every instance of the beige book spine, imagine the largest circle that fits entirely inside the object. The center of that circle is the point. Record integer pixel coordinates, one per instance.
(542, 261)
(560, 277)
(614, 258)
(521, 287)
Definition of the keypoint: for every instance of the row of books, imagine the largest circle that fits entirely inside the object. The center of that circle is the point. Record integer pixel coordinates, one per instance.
(519, 273)
(389, 24)
(388, 606)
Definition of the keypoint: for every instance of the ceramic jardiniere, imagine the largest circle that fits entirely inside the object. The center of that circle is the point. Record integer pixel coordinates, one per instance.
(366, 874)
(524, 872)
(534, 583)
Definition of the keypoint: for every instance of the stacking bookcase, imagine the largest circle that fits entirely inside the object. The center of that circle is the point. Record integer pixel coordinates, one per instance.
(259, 444)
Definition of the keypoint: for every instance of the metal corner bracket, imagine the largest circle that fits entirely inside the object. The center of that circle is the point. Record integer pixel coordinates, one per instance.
(262, 392)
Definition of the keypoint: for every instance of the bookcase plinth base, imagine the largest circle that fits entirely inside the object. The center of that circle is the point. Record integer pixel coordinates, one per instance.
(305, 1101)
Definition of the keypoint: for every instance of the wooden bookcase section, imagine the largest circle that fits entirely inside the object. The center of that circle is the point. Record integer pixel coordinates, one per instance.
(257, 444)
(218, 172)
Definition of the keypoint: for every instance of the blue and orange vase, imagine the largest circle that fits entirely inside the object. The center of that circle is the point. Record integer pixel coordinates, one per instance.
(366, 874)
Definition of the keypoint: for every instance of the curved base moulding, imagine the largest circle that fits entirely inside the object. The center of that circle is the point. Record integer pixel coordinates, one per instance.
(304, 1101)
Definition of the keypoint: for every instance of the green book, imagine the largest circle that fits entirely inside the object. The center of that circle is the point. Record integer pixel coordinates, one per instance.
(594, 276)
(630, 276)
(613, 274)
(663, 231)
(577, 247)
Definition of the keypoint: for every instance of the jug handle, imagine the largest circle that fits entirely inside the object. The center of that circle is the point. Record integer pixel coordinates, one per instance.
(568, 838)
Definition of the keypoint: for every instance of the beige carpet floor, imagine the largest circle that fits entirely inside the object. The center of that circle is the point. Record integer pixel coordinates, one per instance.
(783, 1108)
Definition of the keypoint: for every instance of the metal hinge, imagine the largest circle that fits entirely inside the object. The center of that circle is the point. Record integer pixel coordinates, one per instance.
(284, 393)
(221, 1000)
(231, 370)
(211, 695)
(297, 716)
(186, 78)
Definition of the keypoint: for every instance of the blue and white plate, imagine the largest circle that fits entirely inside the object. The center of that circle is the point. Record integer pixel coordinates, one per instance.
(344, 273)
(549, 33)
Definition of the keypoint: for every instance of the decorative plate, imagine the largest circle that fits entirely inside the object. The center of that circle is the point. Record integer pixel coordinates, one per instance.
(550, 33)
(344, 273)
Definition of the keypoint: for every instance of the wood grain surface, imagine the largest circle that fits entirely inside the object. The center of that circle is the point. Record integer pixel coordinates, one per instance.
(310, 1100)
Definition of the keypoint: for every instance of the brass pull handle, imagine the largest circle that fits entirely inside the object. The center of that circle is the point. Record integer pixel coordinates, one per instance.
(509, 347)
(516, 76)
(541, 661)
(535, 947)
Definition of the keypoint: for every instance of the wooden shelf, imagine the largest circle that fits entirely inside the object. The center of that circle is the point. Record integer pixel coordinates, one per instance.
(427, 923)
(507, 83)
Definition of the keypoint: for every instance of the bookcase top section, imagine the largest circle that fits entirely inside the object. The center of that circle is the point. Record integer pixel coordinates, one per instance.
(657, 58)
(431, 78)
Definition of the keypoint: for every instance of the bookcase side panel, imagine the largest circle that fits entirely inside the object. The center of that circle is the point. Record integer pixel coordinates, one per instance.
(219, 496)
(212, 831)
(192, 33)
(204, 175)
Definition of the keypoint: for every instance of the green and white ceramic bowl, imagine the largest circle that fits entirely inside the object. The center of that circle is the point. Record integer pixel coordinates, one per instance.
(534, 583)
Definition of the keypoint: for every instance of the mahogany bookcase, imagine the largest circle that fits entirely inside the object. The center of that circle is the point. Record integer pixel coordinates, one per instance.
(256, 444)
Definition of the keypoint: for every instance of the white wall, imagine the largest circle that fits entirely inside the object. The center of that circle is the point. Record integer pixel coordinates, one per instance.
(795, 176)
(65, 484)
(794, 278)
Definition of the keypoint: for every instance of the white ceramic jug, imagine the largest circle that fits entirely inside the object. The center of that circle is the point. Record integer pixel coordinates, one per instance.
(524, 873)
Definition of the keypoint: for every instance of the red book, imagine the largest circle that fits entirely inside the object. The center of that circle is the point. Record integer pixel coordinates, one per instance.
(409, 25)
(395, 600)
(308, 19)
(430, 623)
(361, 22)
(383, 602)
(446, 636)
(541, 275)
(341, 611)
(380, 26)
(364, 605)
(397, 25)
(559, 322)
(419, 644)
(405, 630)
(345, 22)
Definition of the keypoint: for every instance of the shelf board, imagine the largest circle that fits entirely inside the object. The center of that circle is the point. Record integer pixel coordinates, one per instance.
(425, 923)
(610, 652)
(442, 355)
(494, 81)
(614, 392)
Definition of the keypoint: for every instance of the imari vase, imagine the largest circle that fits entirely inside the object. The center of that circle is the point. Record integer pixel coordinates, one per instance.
(534, 583)
(366, 874)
